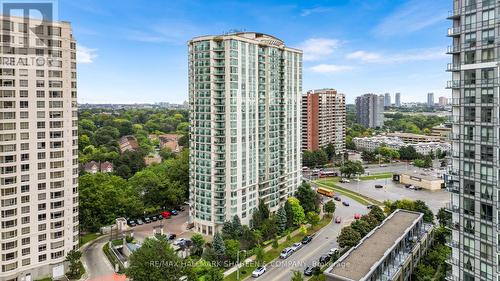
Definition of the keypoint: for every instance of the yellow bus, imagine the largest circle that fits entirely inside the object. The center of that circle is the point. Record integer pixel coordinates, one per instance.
(325, 192)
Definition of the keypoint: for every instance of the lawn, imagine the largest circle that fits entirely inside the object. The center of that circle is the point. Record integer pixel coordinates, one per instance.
(377, 176)
(272, 254)
(88, 237)
(331, 184)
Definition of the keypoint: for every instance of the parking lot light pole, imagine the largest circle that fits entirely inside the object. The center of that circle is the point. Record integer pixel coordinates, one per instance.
(238, 263)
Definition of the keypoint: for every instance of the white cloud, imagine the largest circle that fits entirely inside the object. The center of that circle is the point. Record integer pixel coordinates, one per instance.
(307, 12)
(408, 56)
(330, 68)
(413, 16)
(85, 55)
(364, 56)
(318, 48)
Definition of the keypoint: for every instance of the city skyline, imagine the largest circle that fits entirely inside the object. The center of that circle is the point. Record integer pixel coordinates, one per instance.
(150, 47)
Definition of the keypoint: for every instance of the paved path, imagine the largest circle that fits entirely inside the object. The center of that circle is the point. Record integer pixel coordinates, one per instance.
(97, 266)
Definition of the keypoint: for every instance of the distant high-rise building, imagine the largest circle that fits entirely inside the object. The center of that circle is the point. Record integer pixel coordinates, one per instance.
(387, 100)
(397, 103)
(38, 148)
(474, 175)
(323, 120)
(245, 136)
(443, 101)
(430, 99)
(370, 110)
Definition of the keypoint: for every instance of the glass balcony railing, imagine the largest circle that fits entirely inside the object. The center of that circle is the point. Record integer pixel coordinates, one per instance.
(454, 31)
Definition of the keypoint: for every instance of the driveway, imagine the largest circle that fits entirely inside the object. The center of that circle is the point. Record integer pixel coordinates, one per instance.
(394, 191)
(96, 264)
(322, 242)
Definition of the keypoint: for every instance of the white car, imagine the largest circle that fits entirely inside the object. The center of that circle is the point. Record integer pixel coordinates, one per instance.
(179, 241)
(258, 271)
(343, 180)
(286, 253)
(296, 246)
(333, 251)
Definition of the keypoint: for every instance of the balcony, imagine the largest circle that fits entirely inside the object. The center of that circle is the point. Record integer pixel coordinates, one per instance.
(453, 67)
(454, 14)
(452, 208)
(454, 84)
(455, 49)
(454, 31)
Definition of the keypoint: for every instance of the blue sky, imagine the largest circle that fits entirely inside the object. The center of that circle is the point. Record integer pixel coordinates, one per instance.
(135, 51)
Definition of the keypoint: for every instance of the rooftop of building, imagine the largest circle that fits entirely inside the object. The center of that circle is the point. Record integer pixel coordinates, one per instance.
(360, 260)
(424, 176)
(409, 135)
(257, 37)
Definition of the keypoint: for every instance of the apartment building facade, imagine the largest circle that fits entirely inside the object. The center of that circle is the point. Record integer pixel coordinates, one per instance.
(387, 100)
(397, 100)
(370, 110)
(245, 136)
(474, 171)
(430, 99)
(323, 120)
(38, 148)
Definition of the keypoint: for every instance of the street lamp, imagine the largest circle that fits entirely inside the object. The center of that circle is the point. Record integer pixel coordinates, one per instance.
(238, 263)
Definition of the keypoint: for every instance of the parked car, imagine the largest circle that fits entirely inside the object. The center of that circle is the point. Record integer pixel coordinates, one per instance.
(337, 198)
(131, 223)
(344, 180)
(296, 246)
(379, 186)
(333, 251)
(324, 259)
(179, 241)
(174, 212)
(418, 188)
(357, 216)
(140, 222)
(171, 236)
(369, 207)
(411, 187)
(308, 271)
(357, 180)
(165, 215)
(160, 217)
(383, 165)
(147, 220)
(259, 271)
(307, 239)
(153, 218)
(346, 203)
(286, 253)
(407, 185)
(338, 219)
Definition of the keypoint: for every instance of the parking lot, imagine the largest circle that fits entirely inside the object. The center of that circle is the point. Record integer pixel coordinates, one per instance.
(394, 191)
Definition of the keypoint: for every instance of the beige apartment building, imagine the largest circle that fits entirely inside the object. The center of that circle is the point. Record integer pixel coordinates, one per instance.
(323, 120)
(38, 148)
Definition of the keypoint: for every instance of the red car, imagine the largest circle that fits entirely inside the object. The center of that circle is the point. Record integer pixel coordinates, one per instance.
(357, 216)
(165, 215)
(338, 220)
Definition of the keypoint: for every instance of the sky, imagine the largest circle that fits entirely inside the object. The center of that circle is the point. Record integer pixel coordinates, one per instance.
(136, 51)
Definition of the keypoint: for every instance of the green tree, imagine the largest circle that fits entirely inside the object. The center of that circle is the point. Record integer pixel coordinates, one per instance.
(378, 213)
(348, 237)
(281, 220)
(308, 198)
(259, 255)
(168, 266)
(237, 227)
(421, 207)
(330, 151)
(408, 153)
(261, 214)
(297, 276)
(232, 248)
(198, 243)
(219, 247)
(329, 207)
(371, 220)
(297, 211)
(352, 168)
(443, 217)
(313, 218)
(73, 258)
(362, 227)
(214, 274)
(368, 156)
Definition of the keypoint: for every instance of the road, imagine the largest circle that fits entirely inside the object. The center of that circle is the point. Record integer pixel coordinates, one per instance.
(309, 254)
(97, 266)
(394, 191)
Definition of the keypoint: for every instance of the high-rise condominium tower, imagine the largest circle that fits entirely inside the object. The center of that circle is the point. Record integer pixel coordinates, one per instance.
(397, 101)
(387, 99)
(245, 143)
(323, 120)
(474, 172)
(38, 147)
(370, 110)
(430, 99)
